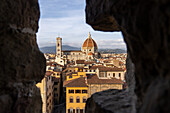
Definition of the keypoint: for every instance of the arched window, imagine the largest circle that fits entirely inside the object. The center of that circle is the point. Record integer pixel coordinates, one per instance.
(83, 110)
(58, 44)
(119, 74)
(84, 99)
(71, 110)
(77, 110)
(113, 74)
(71, 99)
(77, 99)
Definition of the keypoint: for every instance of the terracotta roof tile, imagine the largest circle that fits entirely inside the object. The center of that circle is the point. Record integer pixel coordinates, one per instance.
(89, 62)
(89, 42)
(80, 61)
(93, 79)
(56, 79)
(90, 53)
(79, 82)
(48, 73)
(111, 69)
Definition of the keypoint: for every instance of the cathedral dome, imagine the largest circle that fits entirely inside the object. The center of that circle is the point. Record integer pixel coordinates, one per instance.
(90, 53)
(89, 42)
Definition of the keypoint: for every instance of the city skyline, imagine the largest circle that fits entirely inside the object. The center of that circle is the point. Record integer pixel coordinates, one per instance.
(67, 20)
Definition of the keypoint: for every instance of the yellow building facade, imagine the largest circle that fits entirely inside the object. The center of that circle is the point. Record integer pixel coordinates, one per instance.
(76, 95)
(79, 72)
(76, 99)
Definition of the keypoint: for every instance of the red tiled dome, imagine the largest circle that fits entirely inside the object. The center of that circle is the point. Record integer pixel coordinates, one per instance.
(89, 42)
(90, 53)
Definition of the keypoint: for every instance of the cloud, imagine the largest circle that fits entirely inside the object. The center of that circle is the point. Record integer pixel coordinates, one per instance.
(60, 8)
(66, 18)
(74, 31)
(112, 43)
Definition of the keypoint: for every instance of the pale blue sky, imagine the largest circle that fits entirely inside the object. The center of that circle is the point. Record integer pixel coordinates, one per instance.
(66, 18)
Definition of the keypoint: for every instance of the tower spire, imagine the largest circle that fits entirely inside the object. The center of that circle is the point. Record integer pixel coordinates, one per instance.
(89, 35)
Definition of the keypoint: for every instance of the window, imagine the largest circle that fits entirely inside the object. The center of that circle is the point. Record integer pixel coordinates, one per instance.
(84, 99)
(84, 91)
(94, 70)
(113, 74)
(83, 110)
(77, 99)
(89, 49)
(71, 91)
(55, 95)
(101, 74)
(85, 70)
(71, 99)
(58, 44)
(55, 89)
(119, 74)
(105, 75)
(71, 110)
(90, 70)
(77, 110)
(55, 83)
(58, 50)
(78, 91)
(70, 77)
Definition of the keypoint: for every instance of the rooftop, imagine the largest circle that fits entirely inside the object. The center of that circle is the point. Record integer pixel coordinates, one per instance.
(79, 82)
(93, 79)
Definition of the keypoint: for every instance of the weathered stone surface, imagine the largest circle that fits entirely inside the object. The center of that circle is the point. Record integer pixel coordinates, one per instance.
(21, 62)
(145, 27)
(109, 101)
(102, 17)
(21, 14)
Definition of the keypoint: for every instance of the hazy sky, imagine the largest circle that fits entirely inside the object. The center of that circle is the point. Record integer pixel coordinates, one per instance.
(66, 18)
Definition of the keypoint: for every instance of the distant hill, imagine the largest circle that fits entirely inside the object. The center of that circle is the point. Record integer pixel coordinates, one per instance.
(112, 51)
(52, 49)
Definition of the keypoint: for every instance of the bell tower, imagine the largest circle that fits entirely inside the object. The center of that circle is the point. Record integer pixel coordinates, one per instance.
(58, 47)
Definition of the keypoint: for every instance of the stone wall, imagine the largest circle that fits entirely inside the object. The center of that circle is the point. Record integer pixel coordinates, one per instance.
(21, 62)
(145, 27)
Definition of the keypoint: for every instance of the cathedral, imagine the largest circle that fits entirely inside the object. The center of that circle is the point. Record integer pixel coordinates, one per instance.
(88, 52)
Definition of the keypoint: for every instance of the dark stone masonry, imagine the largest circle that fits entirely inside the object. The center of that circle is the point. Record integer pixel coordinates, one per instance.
(21, 62)
(145, 25)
